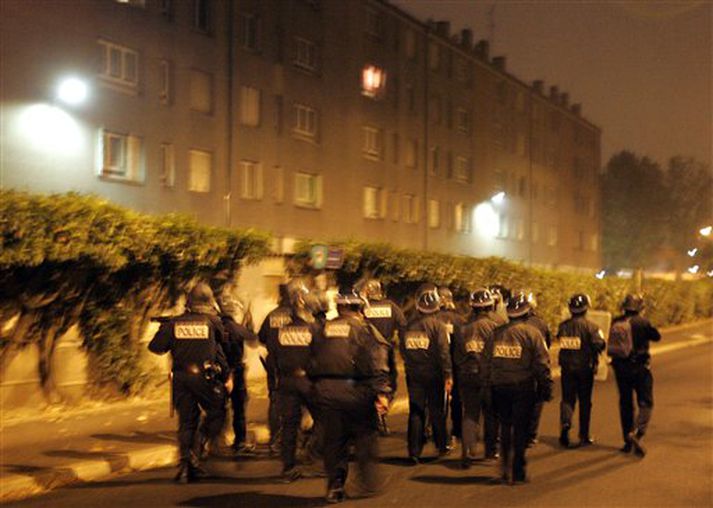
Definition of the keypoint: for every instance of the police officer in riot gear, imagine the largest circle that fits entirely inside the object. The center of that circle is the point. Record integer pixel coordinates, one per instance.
(236, 336)
(581, 341)
(468, 346)
(268, 336)
(388, 318)
(633, 372)
(453, 320)
(518, 371)
(539, 323)
(351, 385)
(291, 353)
(200, 374)
(426, 353)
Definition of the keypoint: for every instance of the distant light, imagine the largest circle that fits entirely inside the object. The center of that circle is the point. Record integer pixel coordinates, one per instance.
(710, 273)
(72, 91)
(50, 129)
(694, 269)
(625, 274)
(373, 81)
(487, 220)
(692, 252)
(498, 198)
(706, 231)
(600, 275)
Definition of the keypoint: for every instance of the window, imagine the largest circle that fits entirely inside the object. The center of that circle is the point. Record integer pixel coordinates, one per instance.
(250, 179)
(308, 190)
(373, 145)
(201, 15)
(374, 203)
(412, 154)
(373, 81)
(462, 169)
(201, 92)
(552, 236)
(305, 121)
(165, 93)
(410, 44)
(394, 206)
(249, 106)
(305, 54)
(435, 161)
(121, 156)
(279, 181)
(503, 230)
(434, 56)
(410, 208)
(459, 219)
(168, 165)
(434, 213)
(463, 120)
(249, 31)
(119, 65)
(200, 167)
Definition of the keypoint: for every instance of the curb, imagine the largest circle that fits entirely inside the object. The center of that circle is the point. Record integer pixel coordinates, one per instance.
(678, 328)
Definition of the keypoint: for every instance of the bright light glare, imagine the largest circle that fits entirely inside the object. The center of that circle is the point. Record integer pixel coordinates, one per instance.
(706, 231)
(487, 221)
(710, 273)
(694, 269)
(72, 91)
(692, 252)
(49, 129)
(600, 275)
(498, 198)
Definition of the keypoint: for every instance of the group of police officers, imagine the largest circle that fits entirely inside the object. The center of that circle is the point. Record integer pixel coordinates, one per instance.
(491, 363)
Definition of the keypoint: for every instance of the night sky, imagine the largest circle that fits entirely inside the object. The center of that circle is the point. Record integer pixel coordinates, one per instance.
(642, 70)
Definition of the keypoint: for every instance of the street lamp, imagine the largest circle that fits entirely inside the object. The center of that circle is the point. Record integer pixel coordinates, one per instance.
(693, 251)
(706, 231)
(498, 198)
(72, 91)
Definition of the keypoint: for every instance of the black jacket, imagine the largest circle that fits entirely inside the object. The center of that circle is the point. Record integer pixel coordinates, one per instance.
(581, 341)
(642, 332)
(424, 346)
(468, 345)
(386, 316)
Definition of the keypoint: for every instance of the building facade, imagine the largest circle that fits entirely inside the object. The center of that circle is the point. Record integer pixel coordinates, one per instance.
(324, 119)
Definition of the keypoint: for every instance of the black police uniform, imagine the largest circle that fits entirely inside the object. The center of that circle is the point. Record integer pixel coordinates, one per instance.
(291, 351)
(468, 347)
(633, 374)
(539, 323)
(199, 370)
(349, 367)
(234, 346)
(426, 353)
(581, 341)
(268, 336)
(454, 320)
(388, 318)
(498, 317)
(517, 363)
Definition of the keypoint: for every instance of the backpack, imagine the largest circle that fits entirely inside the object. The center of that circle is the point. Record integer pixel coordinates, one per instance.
(621, 340)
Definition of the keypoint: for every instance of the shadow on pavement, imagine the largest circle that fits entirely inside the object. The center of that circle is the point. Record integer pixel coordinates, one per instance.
(455, 480)
(168, 480)
(247, 499)
(43, 476)
(116, 461)
(405, 461)
(138, 437)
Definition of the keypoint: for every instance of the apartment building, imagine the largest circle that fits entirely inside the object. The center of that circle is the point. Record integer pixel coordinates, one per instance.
(317, 119)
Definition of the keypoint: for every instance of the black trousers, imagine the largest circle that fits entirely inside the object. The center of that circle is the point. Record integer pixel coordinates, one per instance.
(456, 409)
(472, 395)
(513, 405)
(293, 397)
(577, 385)
(273, 411)
(349, 417)
(633, 378)
(191, 394)
(425, 392)
(238, 400)
(393, 372)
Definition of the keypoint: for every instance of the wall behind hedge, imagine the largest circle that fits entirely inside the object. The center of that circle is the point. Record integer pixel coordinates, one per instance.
(403, 270)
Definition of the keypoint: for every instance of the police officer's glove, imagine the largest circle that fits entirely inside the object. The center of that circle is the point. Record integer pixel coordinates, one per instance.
(229, 383)
(382, 404)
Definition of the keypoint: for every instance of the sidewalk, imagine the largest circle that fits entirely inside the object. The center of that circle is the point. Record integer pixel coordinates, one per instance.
(66, 446)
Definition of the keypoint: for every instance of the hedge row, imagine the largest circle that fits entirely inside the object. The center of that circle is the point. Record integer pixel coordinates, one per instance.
(75, 260)
(403, 270)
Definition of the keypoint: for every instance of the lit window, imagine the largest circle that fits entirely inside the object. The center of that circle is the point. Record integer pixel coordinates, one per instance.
(249, 31)
(201, 15)
(373, 146)
(308, 190)
(373, 81)
(200, 167)
(119, 65)
(463, 120)
(249, 106)
(165, 93)
(462, 169)
(121, 156)
(374, 203)
(305, 54)
(305, 121)
(201, 92)
(434, 213)
(458, 217)
(251, 180)
(410, 208)
(168, 165)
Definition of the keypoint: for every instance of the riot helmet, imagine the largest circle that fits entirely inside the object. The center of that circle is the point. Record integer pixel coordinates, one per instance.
(518, 305)
(370, 289)
(482, 298)
(579, 303)
(427, 299)
(201, 300)
(633, 302)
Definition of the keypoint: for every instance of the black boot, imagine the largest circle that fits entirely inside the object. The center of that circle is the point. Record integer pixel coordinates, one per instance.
(335, 494)
(184, 474)
(564, 437)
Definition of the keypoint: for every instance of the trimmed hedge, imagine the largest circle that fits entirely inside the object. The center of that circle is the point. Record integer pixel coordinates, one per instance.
(69, 260)
(403, 270)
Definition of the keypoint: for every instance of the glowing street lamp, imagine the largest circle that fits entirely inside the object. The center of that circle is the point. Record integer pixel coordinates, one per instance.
(600, 275)
(706, 231)
(694, 269)
(72, 91)
(692, 252)
(498, 198)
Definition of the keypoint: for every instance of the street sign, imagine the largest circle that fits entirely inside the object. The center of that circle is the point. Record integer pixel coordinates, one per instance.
(335, 258)
(318, 256)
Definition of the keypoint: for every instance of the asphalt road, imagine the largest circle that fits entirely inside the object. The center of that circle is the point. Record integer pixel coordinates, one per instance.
(678, 470)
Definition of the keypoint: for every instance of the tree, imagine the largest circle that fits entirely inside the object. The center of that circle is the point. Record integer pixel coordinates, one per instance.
(634, 207)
